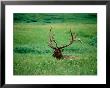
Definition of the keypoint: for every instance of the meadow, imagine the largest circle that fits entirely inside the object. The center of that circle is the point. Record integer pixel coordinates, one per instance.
(33, 56)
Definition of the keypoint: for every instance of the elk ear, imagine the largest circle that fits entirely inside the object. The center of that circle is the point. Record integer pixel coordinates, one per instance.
(62, 49)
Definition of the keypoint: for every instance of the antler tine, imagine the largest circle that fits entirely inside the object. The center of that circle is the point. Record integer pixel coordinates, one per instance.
(78, 39)
(71, 36)
(50, 39)
(50, 28)
(50, 35)
(54, 41)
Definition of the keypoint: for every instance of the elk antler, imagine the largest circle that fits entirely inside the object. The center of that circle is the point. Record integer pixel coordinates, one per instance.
(58, 50)
(52, 40)
(73, 38)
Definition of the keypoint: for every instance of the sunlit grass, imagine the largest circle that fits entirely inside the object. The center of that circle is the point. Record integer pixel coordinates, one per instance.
(33, 56)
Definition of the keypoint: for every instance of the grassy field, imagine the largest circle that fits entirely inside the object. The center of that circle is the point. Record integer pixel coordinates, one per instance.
(33, 56)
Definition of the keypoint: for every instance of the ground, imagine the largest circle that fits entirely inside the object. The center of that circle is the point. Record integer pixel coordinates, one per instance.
(33, 56)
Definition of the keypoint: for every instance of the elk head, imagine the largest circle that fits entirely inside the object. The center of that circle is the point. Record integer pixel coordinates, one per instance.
(58, 49)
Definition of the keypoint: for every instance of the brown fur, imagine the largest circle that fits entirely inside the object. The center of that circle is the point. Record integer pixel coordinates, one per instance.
(70, 57)
(58, 53)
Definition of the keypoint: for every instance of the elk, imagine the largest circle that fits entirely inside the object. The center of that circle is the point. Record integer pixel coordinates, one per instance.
(58, 49)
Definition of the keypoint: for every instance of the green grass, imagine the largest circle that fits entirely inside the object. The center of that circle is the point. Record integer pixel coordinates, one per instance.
(32, 56)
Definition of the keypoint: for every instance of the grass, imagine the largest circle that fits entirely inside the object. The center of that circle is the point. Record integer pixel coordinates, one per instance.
(32, 56)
